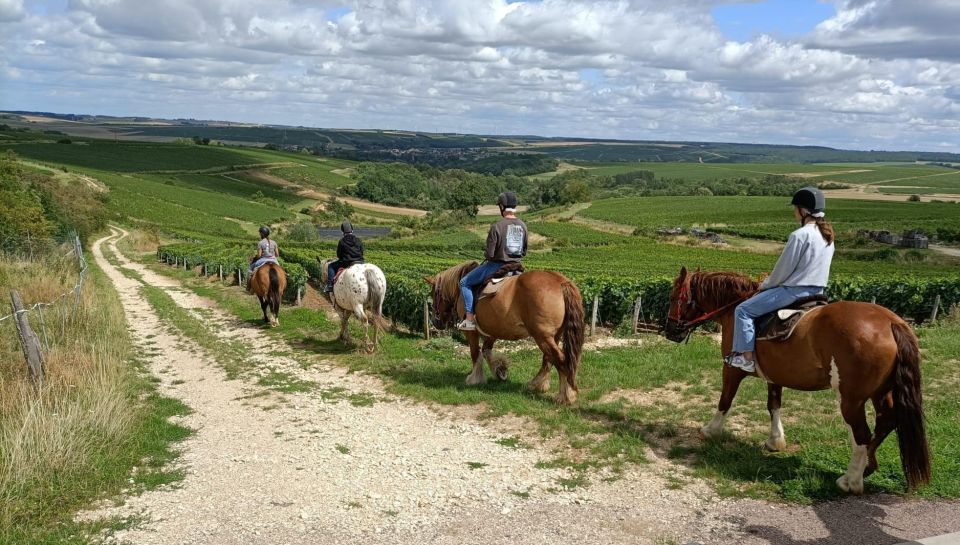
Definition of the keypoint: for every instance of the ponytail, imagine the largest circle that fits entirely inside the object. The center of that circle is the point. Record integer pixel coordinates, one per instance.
(826, 230)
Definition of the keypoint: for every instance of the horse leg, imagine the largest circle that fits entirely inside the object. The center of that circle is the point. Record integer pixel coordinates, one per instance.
(541, 382)
(886, 422)
(344, 330)
(477, 376)
(567, 395)
(856, 418)
(732, 377)
(776, 442)
(362, 316)
(263, 308)
(499, 371)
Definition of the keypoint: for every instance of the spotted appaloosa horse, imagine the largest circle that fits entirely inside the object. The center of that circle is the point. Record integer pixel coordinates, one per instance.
(862, 351)
(268, 283)
(544, 305)
(359, 287)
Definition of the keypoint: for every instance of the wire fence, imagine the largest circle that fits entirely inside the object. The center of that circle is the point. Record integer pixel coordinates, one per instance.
(66, 304)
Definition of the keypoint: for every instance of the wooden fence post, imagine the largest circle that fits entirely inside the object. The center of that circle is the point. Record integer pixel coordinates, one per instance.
(28, 339)
(299, 289)
(873, 300)
(593, 318)
(936, 307)
(426, 320)
(221, 272)
(637, 305)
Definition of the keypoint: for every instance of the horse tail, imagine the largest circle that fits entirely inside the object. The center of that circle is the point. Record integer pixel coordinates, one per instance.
(273, 292)
(377, 289)
(908, 407)
(572, 329)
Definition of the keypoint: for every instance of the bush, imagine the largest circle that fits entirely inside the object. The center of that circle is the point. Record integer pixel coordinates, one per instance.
(914, 198)
(303, 231)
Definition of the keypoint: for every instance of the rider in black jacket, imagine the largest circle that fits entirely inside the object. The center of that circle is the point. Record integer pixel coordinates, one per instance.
(349, 252)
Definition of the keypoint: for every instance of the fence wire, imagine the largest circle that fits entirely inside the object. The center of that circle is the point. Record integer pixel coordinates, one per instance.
(75, 291)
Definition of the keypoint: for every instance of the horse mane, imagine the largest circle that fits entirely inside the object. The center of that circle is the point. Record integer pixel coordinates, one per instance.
(713, 290)
(449, 280)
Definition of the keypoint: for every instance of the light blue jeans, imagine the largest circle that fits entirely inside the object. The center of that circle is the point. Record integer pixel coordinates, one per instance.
(261, 262)
(769, 300)
(473, 279)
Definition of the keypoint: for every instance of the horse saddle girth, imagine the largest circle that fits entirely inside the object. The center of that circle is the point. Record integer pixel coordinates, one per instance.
(779, 325)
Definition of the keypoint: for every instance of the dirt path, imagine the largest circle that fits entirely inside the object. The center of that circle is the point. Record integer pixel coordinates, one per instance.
(271, 468)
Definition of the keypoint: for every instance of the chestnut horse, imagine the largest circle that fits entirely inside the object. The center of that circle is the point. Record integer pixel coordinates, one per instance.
(268, 283)
(860, 350)
(544, 305)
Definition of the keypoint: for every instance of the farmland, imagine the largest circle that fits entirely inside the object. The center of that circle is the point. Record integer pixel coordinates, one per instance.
(193, 211)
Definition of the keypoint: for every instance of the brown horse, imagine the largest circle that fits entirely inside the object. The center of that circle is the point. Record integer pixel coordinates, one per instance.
(544, 305)
(860, 350)
(268, 283)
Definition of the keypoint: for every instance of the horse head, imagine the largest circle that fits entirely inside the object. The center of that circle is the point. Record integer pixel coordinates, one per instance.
(445, 293)
(701, 296)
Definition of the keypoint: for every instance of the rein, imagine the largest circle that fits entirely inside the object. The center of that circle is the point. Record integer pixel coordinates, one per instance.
(686, 298)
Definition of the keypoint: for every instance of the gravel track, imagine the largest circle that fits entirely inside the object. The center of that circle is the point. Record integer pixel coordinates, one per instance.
(271, 468)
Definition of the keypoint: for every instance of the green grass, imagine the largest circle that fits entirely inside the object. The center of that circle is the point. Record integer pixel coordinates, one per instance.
(132, 156)
(100, 417)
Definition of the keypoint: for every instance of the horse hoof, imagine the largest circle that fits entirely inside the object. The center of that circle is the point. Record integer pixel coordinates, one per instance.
(540, 388)
(501, 373)
(776, 445)
(843, 483)
(473, 381)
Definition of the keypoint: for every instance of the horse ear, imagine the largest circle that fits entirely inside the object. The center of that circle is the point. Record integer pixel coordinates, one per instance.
(683, 272)
(698, 268)
(429, 280)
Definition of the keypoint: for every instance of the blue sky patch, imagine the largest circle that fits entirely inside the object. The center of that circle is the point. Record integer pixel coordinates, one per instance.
(779, 18)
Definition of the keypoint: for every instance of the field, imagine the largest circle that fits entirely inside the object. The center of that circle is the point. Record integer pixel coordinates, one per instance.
(203, 204)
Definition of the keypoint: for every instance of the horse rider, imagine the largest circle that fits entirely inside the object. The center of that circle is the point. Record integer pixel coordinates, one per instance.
(266, 250)
(506, 243)
(802, 271)
(349, 252)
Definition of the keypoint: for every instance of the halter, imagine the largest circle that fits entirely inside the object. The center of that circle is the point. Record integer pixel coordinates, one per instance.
(685, 299)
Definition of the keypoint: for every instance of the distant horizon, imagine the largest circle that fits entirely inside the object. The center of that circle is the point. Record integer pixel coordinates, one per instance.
(534, 135)
(844, 74)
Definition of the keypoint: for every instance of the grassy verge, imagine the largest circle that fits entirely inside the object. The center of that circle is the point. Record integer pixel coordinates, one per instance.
(654, 397)
(95, 429)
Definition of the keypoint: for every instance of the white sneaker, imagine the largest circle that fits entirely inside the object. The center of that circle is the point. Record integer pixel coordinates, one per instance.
(741, 363)
(467, 325)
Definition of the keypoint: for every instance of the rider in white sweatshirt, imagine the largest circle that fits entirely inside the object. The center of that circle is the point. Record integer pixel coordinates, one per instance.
(802, 271)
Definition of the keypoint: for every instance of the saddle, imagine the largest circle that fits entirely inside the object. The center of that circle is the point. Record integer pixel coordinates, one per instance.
(492, 285)
(779, 325)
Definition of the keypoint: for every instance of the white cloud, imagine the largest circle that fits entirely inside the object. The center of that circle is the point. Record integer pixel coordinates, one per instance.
(607, 68)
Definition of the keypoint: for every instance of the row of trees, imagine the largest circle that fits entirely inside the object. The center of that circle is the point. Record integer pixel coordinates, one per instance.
(431, 188)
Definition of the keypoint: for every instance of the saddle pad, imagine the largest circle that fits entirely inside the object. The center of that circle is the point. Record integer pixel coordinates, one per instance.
(778, 326)
(493, 286)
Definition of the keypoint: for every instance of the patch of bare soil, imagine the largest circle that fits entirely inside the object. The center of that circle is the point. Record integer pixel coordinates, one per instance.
(821, 174)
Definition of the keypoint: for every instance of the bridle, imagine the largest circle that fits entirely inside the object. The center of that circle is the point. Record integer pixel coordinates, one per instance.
(685, 299)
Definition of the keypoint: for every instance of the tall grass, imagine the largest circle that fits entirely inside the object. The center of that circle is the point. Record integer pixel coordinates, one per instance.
(76, 437)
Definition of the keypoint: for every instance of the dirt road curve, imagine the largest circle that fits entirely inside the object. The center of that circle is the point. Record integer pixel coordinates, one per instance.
(315, 468)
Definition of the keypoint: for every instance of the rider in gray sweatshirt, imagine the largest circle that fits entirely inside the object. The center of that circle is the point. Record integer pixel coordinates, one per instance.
(802, 271)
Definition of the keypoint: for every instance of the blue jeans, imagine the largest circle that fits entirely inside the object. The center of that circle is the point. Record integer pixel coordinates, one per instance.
(744, 338)
(261, 262)
(473, 279)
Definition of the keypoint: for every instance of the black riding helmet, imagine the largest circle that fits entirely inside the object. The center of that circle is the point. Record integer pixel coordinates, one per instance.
(507, 199)
(264, 231)
(811, 199)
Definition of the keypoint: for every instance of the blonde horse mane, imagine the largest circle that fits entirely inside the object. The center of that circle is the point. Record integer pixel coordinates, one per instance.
(448, 281)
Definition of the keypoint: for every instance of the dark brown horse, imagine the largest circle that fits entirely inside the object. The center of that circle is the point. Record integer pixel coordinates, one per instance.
(544, 305)
(268, 283)
(862, 351)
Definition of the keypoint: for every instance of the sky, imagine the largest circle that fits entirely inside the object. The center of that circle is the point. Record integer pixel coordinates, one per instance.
(856, 74)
